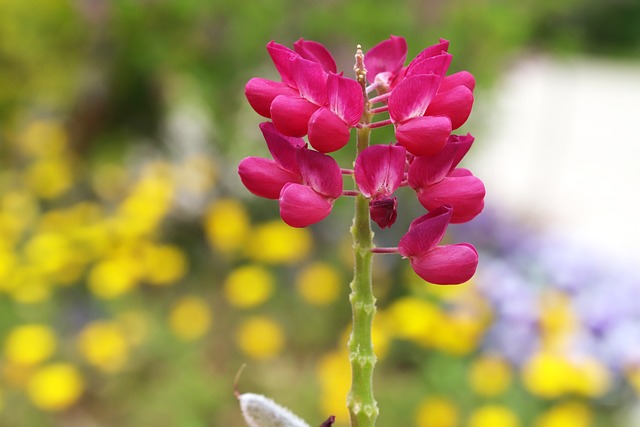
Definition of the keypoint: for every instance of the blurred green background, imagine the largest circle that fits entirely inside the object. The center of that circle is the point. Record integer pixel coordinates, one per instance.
(137, 274)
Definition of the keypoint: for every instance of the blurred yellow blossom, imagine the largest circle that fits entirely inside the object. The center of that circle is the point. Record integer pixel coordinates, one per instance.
(49, 178)
(334, 376)
(275, 242)
(55, 387)
(260, 337)
(493, 416)
(227, 225)
(111, 278)
(248, 286)
(557, 319)
(437, 412)
(18, 210)
(566, 414)
(489, 375)
(103, 345)
(549, 374)
(29, 344)
(163, 264)
(27, 285)
(190, 318)
(413, 318)
(319, 283)
(43, 138)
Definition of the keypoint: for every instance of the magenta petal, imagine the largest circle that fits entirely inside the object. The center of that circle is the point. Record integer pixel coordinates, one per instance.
(425, 135)
(447, 265)
(425, 232)
(345, 98)
(282, 148)
(281, 57)
(264, 178)
(411, 97)
(291, 114)
(437, 65)
(261, 92)
(311, 80)
(320, 172)
(327, 132)
(455, 104)
(430, 51)
(316, 52)
(429, 170)
(463, 142)
(387, 57)
(300, 206)
(379, 169)
(462, 191)
(461, 78)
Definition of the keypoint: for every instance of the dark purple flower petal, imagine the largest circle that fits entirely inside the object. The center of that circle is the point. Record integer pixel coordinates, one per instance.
(300, 206)
(384, 211)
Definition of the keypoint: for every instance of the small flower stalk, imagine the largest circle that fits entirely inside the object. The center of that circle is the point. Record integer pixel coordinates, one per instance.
(311, 113)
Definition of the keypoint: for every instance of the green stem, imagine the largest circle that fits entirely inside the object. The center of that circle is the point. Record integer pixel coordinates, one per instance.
(363, 408)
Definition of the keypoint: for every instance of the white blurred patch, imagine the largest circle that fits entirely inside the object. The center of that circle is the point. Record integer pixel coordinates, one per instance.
(563, 148)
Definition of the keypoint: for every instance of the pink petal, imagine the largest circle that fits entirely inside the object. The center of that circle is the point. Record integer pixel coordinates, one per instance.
(462, 191)
(264, 178)
(281, 57)
(425, 232)
(311, 80)
(387, 57)
(291, 114)
(447, 265)
(327, 132)
(424, 136)
(430, 51)
(411, 97)
(282, 148)
(461, 78)
(320, 172)
(379, 169)
(316, 52)
(455, 104)
(437, 65)
(261, 92)
(464, 143)
(428, 170)
(345, 98)
(300, 206)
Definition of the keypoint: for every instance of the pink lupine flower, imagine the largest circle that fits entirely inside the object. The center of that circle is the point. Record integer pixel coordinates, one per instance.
(384, 62)
(305, 182)
(454, 98)
(442, 265)
(421, 135)
(314, 51)
(437, 181)
(379, 171)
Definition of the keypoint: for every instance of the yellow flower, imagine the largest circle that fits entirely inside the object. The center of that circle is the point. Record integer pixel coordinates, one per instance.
(103, 345)
(248, 286)
(227, 225)
(55, 387)
(493, 416)
(27, 285)
(573, 414)
(413, 318)
(49, 178)
(489, 375)
(163, 264)
(334, 375)
(111, 278)
(29, 344)
(260, 337)
(44, 138)
(190, 318)
(277, 243)
(318, 283)
(437, 412)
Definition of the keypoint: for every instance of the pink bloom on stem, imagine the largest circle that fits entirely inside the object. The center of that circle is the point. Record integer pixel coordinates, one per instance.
(442, 265)
(384, 62)
(420, 135)
(378, 172)
(316, 52)
(306, 182)
(454, 98)
(437, 181)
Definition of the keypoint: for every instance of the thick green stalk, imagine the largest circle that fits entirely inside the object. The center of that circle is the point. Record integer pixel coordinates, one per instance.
(363, 408)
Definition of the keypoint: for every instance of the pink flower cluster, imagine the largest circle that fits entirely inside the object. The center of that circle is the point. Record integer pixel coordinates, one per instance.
(424, 106)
